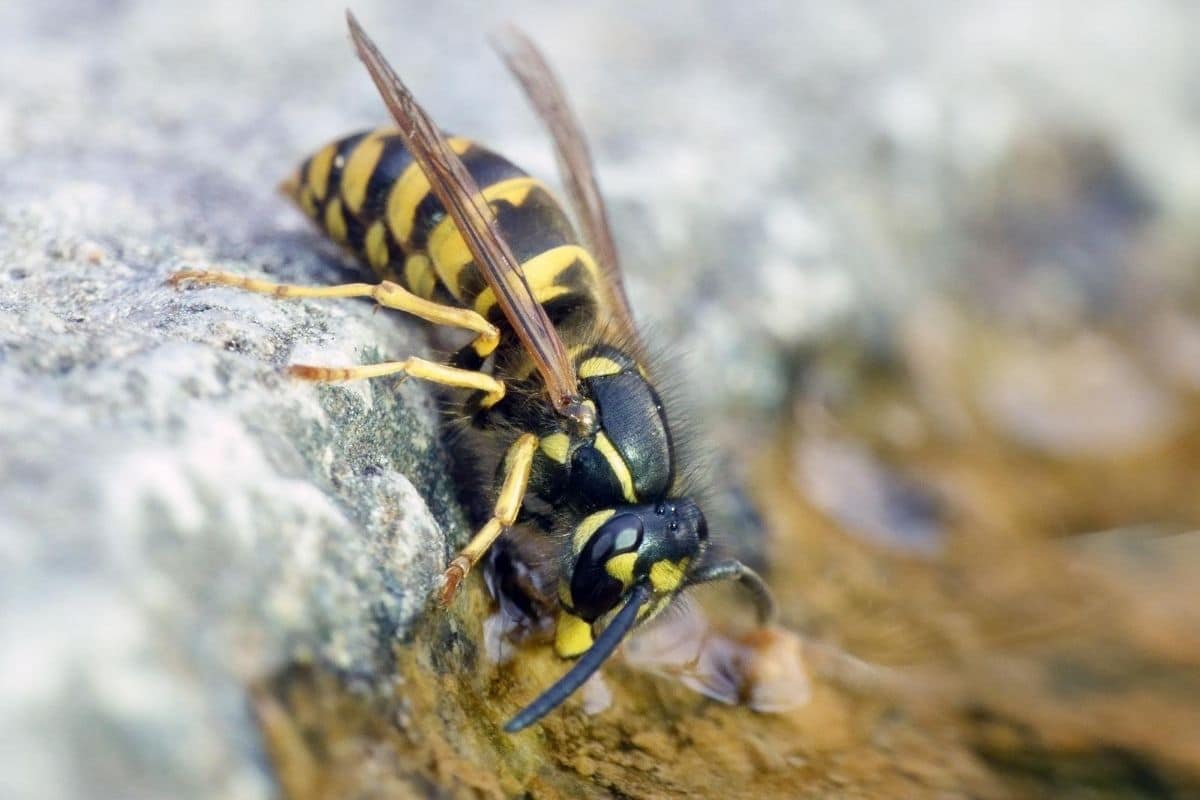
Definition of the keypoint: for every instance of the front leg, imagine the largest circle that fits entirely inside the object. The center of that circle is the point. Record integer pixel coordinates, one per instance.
(518, 463)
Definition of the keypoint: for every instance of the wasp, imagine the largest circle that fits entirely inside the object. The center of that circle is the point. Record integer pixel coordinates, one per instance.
(555, 373)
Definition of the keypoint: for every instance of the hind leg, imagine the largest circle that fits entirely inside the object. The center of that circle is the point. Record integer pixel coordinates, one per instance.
(387, 293)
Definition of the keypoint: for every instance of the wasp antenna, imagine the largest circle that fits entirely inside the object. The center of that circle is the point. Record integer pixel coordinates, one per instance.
(587, 664)
(733, 570)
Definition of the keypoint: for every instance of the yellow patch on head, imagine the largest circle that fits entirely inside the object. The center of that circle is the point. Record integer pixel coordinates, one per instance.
(335, 221)
(621, 567)
(555, 447)
(666, 576)
(318, 171)
(590, 525)
(572, 636)
(596, 366)
(617, 465)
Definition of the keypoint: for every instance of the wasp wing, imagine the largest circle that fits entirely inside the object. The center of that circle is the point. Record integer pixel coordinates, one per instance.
(476, 223)
(546, 94)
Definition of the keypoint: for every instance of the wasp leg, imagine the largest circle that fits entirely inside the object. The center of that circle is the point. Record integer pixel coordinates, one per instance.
(518, 463)
(764, 601)
(412, 366)
(387, 294)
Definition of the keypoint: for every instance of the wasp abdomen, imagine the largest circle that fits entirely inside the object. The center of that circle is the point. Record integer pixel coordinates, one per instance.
(367, 193)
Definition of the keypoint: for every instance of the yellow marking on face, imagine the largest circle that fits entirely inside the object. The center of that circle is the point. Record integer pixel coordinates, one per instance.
(359, 168)
(572, 636)
(621, 567)
(666, 576)
(376, 246)
(409, 190)
(555, 447)
(617, 465)
(541, 273)
(590, 525)
(597, 366)
(564, 594)
(335, 221)
(418, 274)
(319, 169)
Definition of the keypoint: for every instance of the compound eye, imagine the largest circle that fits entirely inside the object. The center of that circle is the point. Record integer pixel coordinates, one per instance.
(593, 588)
(621, 534)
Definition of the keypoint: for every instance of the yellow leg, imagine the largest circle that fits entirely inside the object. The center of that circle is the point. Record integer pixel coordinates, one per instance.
(387, 294)
(517, 464)
(413, 367)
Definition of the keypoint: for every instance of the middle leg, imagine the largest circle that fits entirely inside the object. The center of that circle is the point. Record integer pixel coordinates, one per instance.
(492, 389)
(518, 463)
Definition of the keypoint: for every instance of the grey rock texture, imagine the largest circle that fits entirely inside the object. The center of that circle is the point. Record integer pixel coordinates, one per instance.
(178, 518)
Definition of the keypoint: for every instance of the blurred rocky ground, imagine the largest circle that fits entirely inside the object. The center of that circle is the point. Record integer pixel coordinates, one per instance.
(937, 261)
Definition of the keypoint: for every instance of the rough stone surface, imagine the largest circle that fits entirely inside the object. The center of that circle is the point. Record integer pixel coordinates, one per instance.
(178, 518)
(181, 517)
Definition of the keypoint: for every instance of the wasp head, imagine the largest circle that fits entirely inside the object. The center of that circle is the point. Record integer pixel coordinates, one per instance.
(614, 550)
(627, 564)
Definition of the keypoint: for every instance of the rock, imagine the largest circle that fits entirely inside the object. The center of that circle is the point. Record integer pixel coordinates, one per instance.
(181, 518)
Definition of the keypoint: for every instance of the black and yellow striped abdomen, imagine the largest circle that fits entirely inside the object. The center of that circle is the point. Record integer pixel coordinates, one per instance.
(366, 192)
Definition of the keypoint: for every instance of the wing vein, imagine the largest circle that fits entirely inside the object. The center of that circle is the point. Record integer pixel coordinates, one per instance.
(472, 215)
(549, 100)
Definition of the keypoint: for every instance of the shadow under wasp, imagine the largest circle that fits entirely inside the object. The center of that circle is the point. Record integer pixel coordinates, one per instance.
(556, 373)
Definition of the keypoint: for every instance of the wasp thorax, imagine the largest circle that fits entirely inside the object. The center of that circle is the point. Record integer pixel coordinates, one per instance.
(617, 548)
(624, 455)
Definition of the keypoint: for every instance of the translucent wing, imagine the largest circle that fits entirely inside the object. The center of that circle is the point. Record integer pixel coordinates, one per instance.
(546, 95)
(460, 196)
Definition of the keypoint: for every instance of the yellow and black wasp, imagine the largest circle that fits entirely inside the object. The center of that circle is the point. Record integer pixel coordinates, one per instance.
(555, 373)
